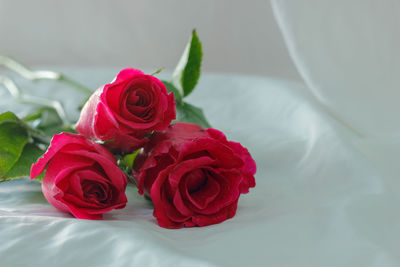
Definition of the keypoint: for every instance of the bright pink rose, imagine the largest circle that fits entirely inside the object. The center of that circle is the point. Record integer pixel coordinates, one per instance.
(124, 111)
(81, 178)
(193, 176)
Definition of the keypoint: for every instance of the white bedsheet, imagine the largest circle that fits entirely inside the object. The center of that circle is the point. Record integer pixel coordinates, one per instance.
(324, 196)
(348, 54)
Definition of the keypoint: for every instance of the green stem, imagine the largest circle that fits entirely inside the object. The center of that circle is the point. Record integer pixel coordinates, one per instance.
(73, 83)
(41, 139)
(17, 94)
(29, 74)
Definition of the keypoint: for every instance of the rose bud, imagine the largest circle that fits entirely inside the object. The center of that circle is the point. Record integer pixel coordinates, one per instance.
(124, 111)
(193, 176)
(81, 178)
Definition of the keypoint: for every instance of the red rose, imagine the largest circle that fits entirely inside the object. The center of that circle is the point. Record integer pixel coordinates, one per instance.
(81, 177)
(193, 176)
(124, 111)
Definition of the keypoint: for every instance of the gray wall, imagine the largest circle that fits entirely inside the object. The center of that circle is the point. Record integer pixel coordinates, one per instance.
(238, 36)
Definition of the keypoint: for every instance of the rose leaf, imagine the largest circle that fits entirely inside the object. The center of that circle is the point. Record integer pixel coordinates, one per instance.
(13, 137)
(22, 167)
(191, 114)
(126, 161)
(49, 122)
(46, 123)
(187, 72)
(174, 90)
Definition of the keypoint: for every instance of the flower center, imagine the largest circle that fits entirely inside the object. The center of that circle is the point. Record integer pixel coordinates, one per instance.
(196, 180)
(201, 188)
(94, 191)
(138, 102)
(138, 97)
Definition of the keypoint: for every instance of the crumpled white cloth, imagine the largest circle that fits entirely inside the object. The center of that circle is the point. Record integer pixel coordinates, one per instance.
(324, 196)
(348, 54)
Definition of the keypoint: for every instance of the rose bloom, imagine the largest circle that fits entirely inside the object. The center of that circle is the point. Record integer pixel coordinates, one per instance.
(81, 178)
(193, 176)
(124, 111)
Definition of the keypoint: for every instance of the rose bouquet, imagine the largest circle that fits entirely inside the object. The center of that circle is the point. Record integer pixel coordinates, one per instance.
(135, 130)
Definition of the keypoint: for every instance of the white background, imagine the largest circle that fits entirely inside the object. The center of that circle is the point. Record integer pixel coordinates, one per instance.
(238, 36)
(327, 152)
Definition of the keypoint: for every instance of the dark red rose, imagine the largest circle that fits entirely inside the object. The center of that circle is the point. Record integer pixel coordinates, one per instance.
(81, 178)
(124, 111)
(193, 176)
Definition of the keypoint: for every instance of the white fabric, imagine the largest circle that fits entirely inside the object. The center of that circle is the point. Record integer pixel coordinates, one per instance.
(327, 181)
(324, 197)
(150, 33)
(348, 53)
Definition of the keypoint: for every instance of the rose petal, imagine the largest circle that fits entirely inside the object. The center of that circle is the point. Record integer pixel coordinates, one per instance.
(169, 114)
(171, 212)
(186, 166)
(126, 143)
(126, 74)
(116, 96)
(203, 197)
(249, 168)
(59, 169)
(180, 205)
(105, 126)
(229, 192)
(179, 133)
(222, 215)
(222, 154)
(116, 176)
(141, 168)
(81, 214)
(84, 126)
(162, 208)
(57, 143)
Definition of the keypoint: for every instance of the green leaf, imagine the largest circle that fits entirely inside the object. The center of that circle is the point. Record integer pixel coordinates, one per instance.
(191, 114)
(8, 116)
(157, 71)
(47, 122)
(33, 116)
(22, 167)
(174, 90)
(13, 137)
(126, 162)
(187, 72)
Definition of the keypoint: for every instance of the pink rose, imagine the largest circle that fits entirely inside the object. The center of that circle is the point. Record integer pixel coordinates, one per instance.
(81, 178)
(193, 176)
(124, 111)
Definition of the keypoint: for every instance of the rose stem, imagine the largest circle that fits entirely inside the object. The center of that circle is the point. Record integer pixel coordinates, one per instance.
(41, 74)
(23, 98)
